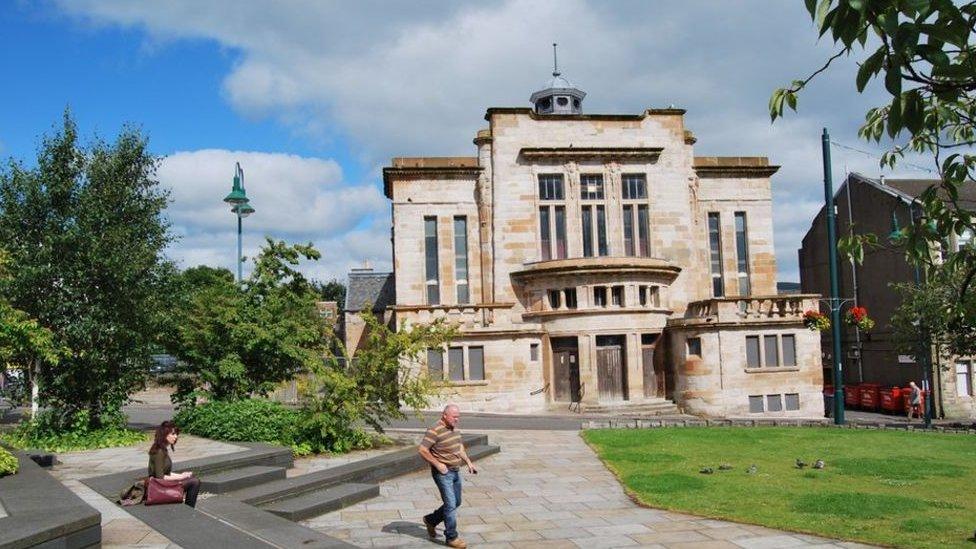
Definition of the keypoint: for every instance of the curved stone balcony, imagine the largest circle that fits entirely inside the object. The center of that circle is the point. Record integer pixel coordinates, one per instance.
(608, 268)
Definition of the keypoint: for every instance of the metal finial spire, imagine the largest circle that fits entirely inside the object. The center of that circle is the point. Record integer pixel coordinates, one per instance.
(555, 64)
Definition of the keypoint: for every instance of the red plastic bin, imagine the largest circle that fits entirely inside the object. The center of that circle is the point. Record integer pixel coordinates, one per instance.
(870, 396)
(852, 396)
(891, 402)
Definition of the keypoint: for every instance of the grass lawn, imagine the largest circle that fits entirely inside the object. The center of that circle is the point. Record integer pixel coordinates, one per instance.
(885, 487)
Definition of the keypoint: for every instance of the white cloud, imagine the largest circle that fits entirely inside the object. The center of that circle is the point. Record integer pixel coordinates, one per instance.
(296, 199)
(398, 78)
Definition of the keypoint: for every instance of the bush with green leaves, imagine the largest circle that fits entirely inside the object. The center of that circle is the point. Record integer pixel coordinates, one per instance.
(52, 431)
(8, 463)
(250, 420)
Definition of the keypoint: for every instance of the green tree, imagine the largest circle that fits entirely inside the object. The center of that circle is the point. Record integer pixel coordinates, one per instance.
(332, 290)
(922, 319)
(343, 392)
(922, 52)
(238, 340)
(85, 229)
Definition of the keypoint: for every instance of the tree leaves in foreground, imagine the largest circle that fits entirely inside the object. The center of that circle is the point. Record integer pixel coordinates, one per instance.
(85, 234)
(921, 52)
(235, 340)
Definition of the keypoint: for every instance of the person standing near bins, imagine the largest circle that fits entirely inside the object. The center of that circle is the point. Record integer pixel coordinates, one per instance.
(914, 401)
(443, 450)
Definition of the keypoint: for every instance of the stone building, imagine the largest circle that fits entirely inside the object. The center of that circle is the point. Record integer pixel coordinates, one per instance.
(868, 205)
(593, 261)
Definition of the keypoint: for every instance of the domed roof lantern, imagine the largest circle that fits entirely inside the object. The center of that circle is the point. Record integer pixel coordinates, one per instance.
(558, 96)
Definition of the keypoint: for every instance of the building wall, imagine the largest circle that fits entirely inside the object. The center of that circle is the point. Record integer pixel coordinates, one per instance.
(510, 311)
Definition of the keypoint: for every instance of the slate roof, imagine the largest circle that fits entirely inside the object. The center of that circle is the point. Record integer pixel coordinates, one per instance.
(366, 286)
(907, 189)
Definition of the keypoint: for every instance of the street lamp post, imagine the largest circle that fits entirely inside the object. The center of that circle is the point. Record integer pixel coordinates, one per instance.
(240, 206)
(835, 300)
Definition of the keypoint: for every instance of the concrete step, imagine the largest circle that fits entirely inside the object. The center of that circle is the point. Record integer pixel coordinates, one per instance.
(317, 502)
(642, 407)
(235, 479)
(272, 529)
(372, 470)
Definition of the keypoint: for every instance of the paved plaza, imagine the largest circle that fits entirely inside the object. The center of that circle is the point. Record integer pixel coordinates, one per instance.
(545, 489)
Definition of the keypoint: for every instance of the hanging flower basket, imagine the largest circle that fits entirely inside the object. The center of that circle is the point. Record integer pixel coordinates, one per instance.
(858, 316)
(816, 321)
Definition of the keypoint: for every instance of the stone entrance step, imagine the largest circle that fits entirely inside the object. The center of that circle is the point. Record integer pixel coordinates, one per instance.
(648, 407)
(315, 503)
(235, 479)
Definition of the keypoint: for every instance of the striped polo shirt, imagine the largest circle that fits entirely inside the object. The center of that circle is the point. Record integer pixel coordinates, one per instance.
(444, 444)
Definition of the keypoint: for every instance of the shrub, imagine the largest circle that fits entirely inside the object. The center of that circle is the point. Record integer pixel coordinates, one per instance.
(257, 420)
(8, 463)
(46, 432)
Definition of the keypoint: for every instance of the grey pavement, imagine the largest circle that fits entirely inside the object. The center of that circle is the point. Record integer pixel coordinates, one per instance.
(545, 489)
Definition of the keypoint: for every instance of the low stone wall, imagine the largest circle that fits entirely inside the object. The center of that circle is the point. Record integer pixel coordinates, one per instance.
(40, 511)
(779, 422)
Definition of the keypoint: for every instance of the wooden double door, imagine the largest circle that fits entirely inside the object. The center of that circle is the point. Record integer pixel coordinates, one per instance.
(565, 370)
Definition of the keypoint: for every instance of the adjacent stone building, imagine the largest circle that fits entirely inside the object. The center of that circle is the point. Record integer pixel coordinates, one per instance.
(593, 261)
(868, 206)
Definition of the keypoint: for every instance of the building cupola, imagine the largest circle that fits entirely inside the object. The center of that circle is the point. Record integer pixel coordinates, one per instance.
(558, 96)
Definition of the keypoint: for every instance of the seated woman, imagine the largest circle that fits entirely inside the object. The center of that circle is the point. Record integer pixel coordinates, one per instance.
(161, 466)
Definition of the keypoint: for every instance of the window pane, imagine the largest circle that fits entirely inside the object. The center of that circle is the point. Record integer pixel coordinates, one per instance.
(769, 345)
(642, 294)
(587, 222)
(600, 296)
(560, 232)
(554, 299)
(694, 346)
(551, 186)
(964, 379)
(628, 230)
(752, 351)
(591, 187)
(430, 260)
(570, 298)
(634, 186)
(715, 253)
(601, 229)
(476, 363)
(461, 258)
(643, 236)
(774, 403)
(789, 350)
(435, 363)
(534, 352)
(742, 253)
(544, 238)
(756, 404)
(455, 361)
(792, 401)
(617, 296)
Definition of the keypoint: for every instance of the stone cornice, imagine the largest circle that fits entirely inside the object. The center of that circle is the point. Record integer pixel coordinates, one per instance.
(447, 172)
(719, 172)
(624, 117)
(650, 154)
(598, 265)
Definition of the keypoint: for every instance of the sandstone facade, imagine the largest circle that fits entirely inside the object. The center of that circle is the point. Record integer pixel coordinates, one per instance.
(574, 252)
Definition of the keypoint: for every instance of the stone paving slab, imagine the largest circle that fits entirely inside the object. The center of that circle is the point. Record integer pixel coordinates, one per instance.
(523, 498)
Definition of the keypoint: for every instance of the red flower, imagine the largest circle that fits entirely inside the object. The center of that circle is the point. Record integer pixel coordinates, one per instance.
(859, 313)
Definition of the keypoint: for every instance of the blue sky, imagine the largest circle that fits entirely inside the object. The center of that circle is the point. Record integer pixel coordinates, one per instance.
(314, 97)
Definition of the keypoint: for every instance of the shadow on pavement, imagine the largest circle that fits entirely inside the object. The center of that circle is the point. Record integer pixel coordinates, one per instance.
(412, 529)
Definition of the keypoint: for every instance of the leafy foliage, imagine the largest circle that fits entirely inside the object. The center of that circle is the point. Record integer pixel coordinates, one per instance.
(381, 377)
(84, 231)
(254, 420)
(922, 52)
(238, 340)
(8, 463)
(923, 316)
(52, 432)
(332, 290)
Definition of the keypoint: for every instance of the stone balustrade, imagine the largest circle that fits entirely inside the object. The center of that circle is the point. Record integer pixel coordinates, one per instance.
(751, 308)
(467, 316)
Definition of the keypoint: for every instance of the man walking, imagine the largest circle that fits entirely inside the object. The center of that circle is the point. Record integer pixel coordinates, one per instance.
(442, 448)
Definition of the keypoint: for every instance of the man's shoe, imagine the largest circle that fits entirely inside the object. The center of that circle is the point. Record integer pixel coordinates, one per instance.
(457, 543)
(430, 529)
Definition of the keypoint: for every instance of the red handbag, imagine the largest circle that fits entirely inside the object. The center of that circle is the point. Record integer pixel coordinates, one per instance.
(159, 491)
